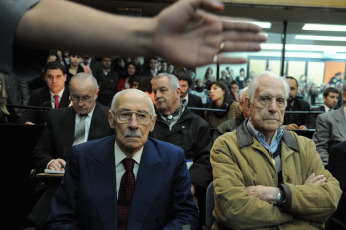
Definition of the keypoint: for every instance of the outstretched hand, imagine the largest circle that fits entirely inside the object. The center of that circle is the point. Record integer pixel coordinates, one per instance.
(187, 34)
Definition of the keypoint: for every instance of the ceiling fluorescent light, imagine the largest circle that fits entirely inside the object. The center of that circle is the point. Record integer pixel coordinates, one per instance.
(324, 27)
(320, 38)
(313, 48)
(263, 25)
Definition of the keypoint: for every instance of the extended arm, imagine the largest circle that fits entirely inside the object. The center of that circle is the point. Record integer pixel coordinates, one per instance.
(184, 33)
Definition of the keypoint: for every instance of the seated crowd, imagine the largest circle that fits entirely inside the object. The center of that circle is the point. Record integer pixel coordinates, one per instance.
(81, 99)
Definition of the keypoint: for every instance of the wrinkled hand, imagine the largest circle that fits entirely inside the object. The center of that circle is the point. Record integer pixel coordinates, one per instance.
(29, 123)
(57, 165)
(291, 126)
(265, 193)
(320, 179)
(302, 127)
(186, 34)
(193, 190)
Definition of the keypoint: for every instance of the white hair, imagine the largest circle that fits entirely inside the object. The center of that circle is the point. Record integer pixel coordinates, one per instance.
(254, 84)
(136, 91)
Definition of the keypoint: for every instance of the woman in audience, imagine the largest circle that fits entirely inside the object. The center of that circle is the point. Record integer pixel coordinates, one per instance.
(74, 66)
(220, 99)
(125, 82)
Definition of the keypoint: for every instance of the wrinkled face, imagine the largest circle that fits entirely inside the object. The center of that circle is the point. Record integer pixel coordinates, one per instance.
(55, 80)
(331, 100)
(106, 62)
(131, 135)
(83, 96)
(75, 60)
(153, 64)
(216, 93)
(166, 100)
(293, 89)
(268, 107)
(184, 88)
(131, 70)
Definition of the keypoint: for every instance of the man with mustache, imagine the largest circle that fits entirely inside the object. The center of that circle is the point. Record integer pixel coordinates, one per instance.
(126, 181)
(266, 177)
(60, 134)
(177, 125)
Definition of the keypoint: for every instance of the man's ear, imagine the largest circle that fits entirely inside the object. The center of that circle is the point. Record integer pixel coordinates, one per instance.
(153, 123)
(247, 103)
(110, 119)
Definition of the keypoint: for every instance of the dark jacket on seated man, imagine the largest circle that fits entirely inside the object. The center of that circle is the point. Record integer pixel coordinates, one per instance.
(299, 119)
(41, 98)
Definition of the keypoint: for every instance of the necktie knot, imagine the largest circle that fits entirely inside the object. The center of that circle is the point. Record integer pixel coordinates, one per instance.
(128, 164)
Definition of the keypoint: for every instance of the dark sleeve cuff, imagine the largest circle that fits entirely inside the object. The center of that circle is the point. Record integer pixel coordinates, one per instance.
(286, 205)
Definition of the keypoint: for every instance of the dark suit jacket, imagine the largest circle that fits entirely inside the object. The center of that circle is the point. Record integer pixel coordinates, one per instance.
(313, 116)
(337, 162)
(41, 98)
(195, 101)
(299, 119)
(58, 136)
(87, 195)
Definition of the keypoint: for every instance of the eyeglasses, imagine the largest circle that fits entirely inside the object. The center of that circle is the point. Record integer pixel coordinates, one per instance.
(143, 118)
(84, 99)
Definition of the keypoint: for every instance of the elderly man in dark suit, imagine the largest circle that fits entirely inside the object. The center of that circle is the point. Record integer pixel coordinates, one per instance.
(54, 95)
(330, 130)
(127, 181)
(86, 120)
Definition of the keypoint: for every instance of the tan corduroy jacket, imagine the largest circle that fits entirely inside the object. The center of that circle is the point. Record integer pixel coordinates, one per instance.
(239, 161)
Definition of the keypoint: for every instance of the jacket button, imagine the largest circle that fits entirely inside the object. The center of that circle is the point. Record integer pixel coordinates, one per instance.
(273, 176)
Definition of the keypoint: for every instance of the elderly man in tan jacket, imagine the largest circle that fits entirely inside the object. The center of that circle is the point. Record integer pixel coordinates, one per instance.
(266, 177)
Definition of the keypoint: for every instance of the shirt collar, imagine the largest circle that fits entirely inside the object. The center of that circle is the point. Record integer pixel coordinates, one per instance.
(60, 93)
(120, 155)
(261, 138)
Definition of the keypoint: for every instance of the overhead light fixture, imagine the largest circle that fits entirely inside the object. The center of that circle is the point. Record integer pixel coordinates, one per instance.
(320, 38)
(324, 27)
(263, 25)
(313, 48)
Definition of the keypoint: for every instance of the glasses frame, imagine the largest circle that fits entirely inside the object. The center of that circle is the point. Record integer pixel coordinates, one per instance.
(88, 100)
(115, 115)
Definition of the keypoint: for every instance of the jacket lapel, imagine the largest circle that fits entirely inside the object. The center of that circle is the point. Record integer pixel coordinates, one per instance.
(97, 123)
(67, 127)
(341, 122)
(150, 174)
(101, 170)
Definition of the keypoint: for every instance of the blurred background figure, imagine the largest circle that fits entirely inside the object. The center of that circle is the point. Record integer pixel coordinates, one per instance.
(220, 99)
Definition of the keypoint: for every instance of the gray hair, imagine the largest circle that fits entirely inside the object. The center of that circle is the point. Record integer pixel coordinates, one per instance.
(136, 91)
(173, 80)
(243, 93)
(254, 84)
(84, 76)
